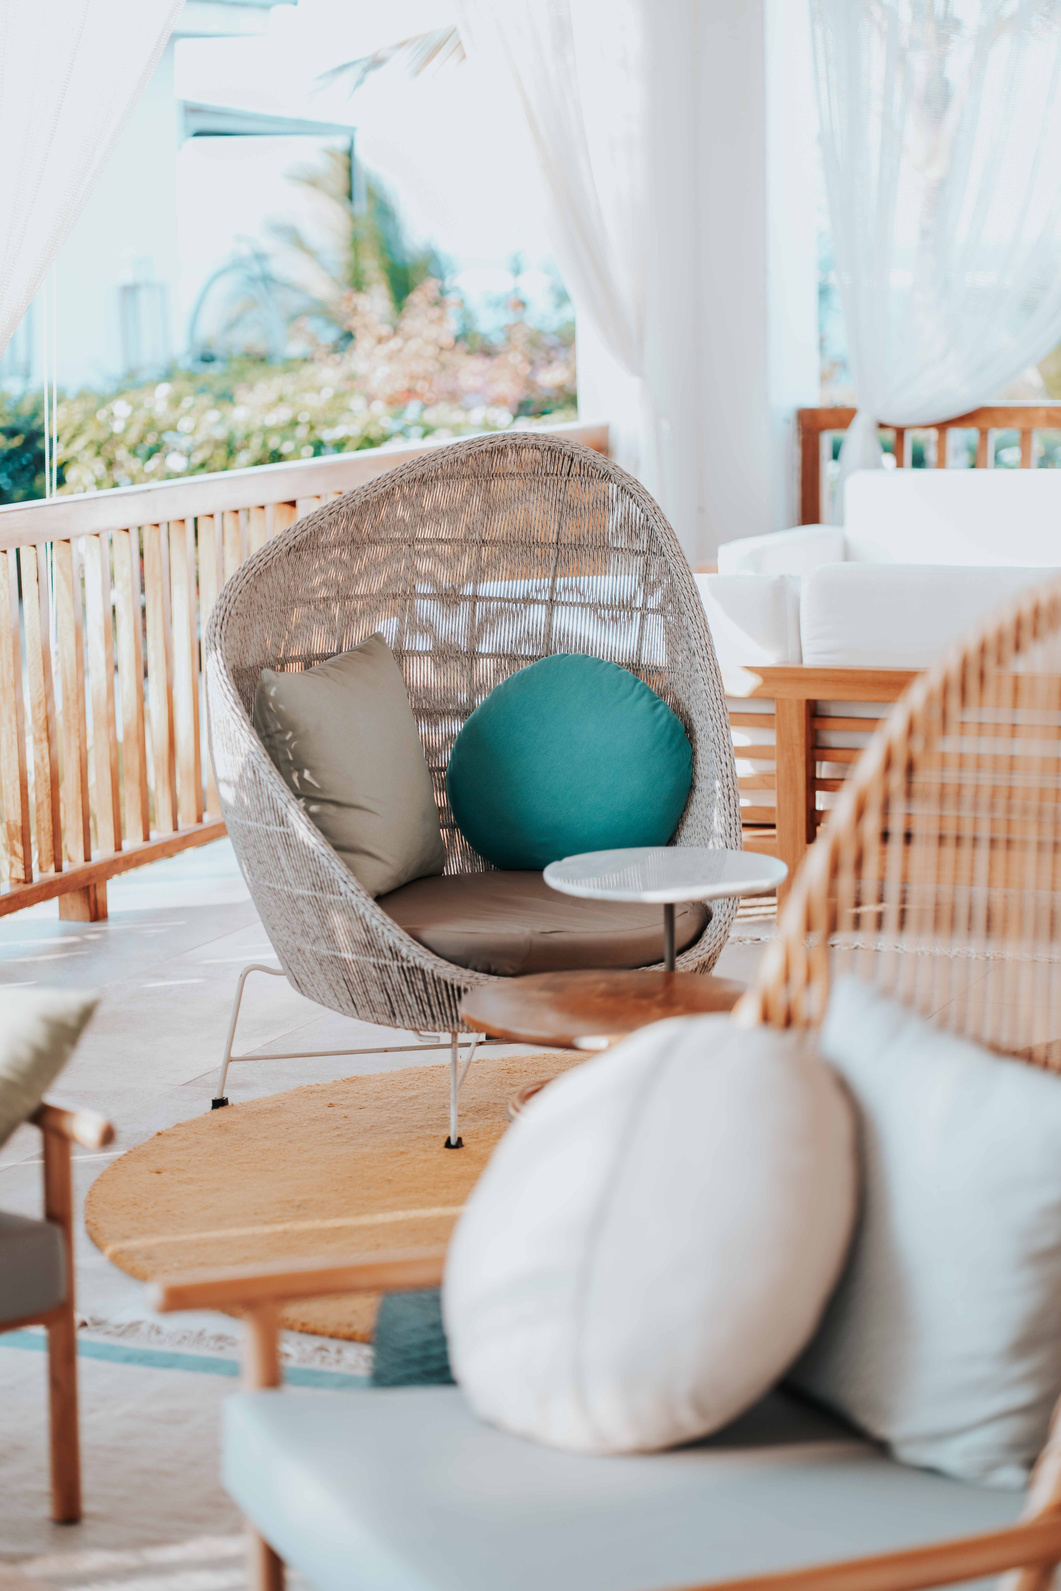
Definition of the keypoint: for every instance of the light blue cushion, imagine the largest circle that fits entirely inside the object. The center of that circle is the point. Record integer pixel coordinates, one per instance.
(571, 754)
(402, 1489)
(944, 1336)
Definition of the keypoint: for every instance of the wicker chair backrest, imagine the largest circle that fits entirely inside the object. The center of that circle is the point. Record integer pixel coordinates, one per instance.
(472, 563)
(937, 877)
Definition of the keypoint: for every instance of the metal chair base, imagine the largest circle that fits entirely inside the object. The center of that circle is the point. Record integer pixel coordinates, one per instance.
(458, 1065)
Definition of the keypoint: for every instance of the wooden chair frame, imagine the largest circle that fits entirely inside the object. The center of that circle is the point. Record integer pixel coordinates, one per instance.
(60, 1128)
(1032, 1546)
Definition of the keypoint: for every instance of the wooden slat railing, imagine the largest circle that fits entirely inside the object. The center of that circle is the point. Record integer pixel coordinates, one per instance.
(817, 426)
(104, 600)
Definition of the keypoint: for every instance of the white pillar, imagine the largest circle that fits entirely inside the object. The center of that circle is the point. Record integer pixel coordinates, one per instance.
(731, 275)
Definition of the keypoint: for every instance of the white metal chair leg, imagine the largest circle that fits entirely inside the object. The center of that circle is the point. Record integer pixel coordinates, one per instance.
(458, 1071)
(219, 1098)
(458, 1068)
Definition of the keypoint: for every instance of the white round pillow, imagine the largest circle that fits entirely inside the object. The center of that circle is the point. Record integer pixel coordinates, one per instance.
(654, 1239)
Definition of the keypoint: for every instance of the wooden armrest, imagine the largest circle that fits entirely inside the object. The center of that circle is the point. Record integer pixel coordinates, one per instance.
(250, 1285)
(1036, 1541)
(84, 1127)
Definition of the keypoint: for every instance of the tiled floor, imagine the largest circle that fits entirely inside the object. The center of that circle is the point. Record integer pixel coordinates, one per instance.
(165, 963)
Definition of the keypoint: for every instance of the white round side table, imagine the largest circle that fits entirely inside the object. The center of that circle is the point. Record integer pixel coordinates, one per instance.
(667, 874)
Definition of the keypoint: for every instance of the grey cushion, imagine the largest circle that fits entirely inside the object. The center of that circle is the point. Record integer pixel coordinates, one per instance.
(32, 1267)
(344, 739)
(943, 1336)
(38, 1030)
(403, 1488)
(512, 923)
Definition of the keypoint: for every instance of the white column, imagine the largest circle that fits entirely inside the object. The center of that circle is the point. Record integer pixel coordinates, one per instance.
(731, 289)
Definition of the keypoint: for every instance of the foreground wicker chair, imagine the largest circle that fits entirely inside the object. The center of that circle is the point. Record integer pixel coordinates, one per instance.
(938, 876)
(939, 869)
(473, 562)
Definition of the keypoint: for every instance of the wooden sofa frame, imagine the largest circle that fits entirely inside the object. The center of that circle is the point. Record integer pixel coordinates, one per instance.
(805, 780)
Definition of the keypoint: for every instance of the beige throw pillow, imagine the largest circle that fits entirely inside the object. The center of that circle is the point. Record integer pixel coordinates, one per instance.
(343, 737)
(38, 1030)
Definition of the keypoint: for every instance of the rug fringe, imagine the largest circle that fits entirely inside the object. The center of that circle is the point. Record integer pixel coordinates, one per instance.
(296, 1348)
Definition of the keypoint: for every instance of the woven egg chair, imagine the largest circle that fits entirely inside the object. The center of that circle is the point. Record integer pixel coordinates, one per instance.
(937, 877)
(473, 562)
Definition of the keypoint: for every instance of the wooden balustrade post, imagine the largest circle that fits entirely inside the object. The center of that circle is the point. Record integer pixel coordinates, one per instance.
(47, 809)
(88, 904)
(14, 772)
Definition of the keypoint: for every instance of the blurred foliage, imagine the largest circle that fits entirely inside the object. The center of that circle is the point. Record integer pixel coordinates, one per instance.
(21, 448)
(361, 248)
(404, 376)
(390, 355)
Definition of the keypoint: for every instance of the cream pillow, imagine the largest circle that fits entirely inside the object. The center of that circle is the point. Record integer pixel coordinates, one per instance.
(343, 737)
(654, 1239)
(38, 1030)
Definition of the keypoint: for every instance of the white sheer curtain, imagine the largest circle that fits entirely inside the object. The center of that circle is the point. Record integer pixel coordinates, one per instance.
(941, 141)
(578, 75)
(70, 73)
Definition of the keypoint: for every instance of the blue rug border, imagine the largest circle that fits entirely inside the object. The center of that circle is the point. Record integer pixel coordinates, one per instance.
(170, 1359)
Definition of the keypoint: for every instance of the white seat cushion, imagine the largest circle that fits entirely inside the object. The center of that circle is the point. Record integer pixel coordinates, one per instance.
(752, 618)
(898, 615)
(402, 1488)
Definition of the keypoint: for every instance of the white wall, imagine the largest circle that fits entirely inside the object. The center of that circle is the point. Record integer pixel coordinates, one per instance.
(131, 213)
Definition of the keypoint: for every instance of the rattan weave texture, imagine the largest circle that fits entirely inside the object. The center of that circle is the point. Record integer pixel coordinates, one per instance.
(472, 562)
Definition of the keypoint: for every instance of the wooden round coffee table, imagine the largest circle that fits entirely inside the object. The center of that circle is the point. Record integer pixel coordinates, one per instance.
(590, 1010)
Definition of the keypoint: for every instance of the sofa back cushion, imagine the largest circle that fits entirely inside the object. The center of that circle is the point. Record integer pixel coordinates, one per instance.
(783, 552)
(975, 517)
(900, 615)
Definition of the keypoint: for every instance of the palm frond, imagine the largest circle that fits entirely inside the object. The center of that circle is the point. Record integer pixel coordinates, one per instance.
(439, 47)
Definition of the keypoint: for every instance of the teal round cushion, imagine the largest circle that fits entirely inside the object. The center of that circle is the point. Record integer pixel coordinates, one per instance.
(571, 754)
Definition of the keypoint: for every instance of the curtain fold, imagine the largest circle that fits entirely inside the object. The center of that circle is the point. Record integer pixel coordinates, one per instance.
(71, 72)
(940, 131)
(579, 78)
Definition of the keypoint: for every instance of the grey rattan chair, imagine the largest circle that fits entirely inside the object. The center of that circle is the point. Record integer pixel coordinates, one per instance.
(473, 562)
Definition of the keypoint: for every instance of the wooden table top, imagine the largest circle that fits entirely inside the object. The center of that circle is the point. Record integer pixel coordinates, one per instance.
(591, 1010)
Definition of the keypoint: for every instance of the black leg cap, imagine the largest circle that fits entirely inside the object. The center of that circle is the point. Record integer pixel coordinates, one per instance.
(449, 1144)
(216, 1104)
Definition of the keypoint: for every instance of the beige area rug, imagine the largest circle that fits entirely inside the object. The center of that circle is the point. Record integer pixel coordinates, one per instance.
(338, 1168)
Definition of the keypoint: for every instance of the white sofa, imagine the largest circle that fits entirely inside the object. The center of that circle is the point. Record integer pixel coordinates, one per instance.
(922, 555)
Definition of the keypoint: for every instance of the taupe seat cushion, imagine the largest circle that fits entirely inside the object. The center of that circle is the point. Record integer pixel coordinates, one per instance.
(32, 1267)
(512, 923)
